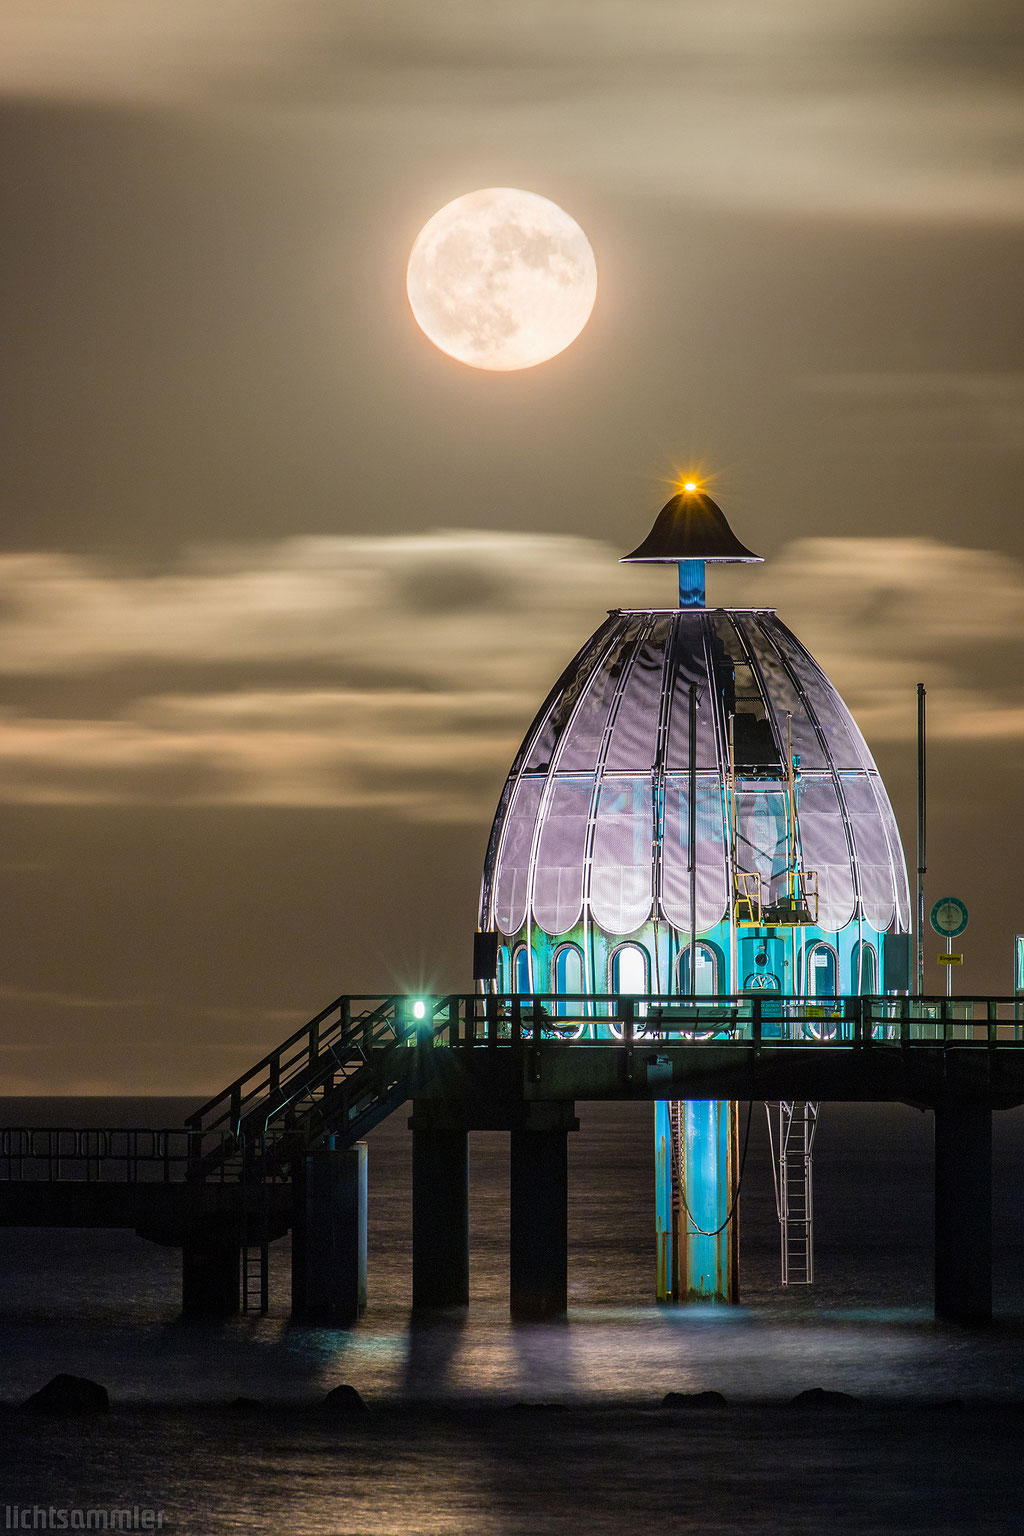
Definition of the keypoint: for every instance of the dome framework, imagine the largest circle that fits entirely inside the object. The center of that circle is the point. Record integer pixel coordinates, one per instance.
(592, 826)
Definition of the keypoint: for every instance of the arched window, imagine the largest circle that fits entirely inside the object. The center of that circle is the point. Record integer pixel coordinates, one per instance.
(865, 969)
(630, 973)
(568, 976)
(630, 969)
(503, 976)
(522, 971)
(822, 971)
(706, 969)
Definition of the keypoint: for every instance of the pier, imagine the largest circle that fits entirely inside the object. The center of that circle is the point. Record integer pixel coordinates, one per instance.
(282, 1147)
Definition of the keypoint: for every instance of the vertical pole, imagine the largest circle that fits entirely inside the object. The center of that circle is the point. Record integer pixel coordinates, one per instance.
(921, 834)
(949, 968)
(665, 1234)
(692, 834)
(733, 958)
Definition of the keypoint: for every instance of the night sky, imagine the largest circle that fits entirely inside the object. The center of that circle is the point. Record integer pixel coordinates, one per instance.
(283, 585)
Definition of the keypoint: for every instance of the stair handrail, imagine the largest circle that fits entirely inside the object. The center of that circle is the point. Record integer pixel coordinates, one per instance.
(275, 1069)
(231, 1098)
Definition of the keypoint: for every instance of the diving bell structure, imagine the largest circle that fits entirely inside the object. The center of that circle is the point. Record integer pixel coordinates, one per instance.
(694, 812)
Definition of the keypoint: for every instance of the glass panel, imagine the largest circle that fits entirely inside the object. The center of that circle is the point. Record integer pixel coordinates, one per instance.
(845, 742)
(568, 977)
(689, 665)
(897, 861)
(561, 853)
(585, 735)
(740, 695)
(523, 981)
(629, 969)
(620, 890)
(634, 738)
(568, 689)
(762, 836)
(874, 871)
(865, 969)
(712, 882)
(503, 971)
(763, 634)
(821, 971)
(825, 850)
(512, 875)
(706, 967)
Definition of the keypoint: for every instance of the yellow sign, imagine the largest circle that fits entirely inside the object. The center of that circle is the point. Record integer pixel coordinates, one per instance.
(950, 959)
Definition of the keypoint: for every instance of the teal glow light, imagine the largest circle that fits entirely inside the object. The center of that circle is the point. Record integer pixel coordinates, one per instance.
(419, 1009)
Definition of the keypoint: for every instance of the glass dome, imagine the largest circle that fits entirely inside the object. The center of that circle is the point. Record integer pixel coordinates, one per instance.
(593, 821)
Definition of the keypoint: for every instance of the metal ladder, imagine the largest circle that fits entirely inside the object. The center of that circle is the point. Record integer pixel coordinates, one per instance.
(255, 1277)
(794, 1187)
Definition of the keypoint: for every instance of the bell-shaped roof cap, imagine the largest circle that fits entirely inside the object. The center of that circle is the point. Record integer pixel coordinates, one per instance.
(691, 527)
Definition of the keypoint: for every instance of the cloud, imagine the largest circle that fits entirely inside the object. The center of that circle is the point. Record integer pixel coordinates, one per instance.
(881, 615)
(929, 411)
(455, 638)
(884, 107)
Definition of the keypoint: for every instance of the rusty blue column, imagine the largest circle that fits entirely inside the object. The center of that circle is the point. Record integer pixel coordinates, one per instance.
(664, 1203)
(708, 1233)
(697, 1228)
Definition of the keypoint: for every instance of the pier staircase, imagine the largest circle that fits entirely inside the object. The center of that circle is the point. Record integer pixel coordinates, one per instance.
(338, 1076)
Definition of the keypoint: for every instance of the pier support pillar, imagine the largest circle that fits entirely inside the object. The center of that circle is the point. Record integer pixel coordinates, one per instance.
(539, 1213)
(210, 1265)
(963, 1213)
(440, 1210)
(329, 1236)
(696, 1175)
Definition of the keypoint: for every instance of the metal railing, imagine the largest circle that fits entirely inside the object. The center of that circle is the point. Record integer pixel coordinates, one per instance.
(348, 1035)
(117, 1155)
(348, 1067)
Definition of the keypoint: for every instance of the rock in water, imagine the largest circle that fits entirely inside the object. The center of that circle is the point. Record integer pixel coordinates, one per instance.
(344, 1399)
(69, 1394)
(818, 1397)
(707, 1399)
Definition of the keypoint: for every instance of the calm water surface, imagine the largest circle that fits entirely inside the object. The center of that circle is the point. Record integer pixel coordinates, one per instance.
(479, 1425)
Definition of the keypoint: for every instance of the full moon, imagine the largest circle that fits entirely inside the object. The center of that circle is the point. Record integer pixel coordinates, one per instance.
(501, 279)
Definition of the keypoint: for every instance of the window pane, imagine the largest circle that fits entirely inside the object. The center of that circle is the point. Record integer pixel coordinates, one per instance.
(568, 974)
(712, 890)
(629, 969)
(561, 853)
(821, 967)
(514, 857)
(620, 893)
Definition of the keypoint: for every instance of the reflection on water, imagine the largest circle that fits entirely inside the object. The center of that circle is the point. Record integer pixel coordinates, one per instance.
(445, 1449)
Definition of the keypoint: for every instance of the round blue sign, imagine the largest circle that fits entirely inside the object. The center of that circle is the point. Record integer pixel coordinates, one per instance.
(949, 916)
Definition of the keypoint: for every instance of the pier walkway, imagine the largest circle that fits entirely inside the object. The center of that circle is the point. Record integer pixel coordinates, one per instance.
(282, 1146)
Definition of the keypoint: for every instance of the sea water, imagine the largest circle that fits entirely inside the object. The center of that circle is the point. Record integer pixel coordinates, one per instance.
(476, 1424)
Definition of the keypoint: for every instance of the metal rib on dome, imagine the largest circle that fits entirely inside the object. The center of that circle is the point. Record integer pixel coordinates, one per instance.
(593, 822)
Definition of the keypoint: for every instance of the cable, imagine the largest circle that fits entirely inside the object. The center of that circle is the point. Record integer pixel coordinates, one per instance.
(699, 1231)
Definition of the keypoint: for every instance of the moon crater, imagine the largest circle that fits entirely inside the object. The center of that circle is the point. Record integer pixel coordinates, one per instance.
(501, 279)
